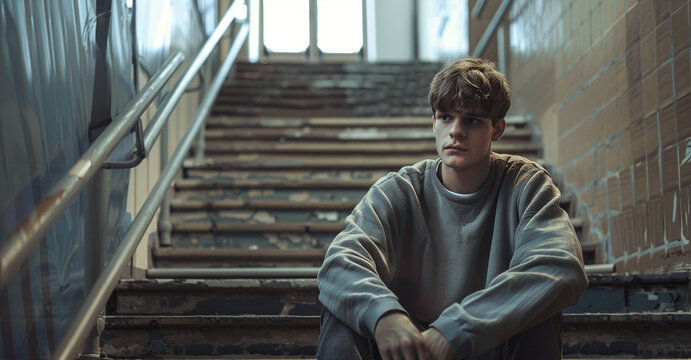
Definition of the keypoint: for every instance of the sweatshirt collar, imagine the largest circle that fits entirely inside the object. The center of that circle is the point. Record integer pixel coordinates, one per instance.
(462, 198)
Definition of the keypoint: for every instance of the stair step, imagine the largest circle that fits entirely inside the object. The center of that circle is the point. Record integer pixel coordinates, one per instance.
(221, 121)
(426, 148)
(342, 122)
(234, 197)
(227, 184)
(391, 163)
(375, 109)
(663, 335)
(206, 226)
(250, 221)
(347, 134)
(200, 258)
(583, 335)
(234, 273)
(622, 293)
(253, 241)
(291, 175)
(338, 69)
(179, 204)
(216, 297)
(137, 336)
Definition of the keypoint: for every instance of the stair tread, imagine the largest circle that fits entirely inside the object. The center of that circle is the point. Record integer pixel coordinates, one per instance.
(221, 121)
(262, 204)
(207, 226)
(258, 320)
(271, 162)
(428, 148)
(295, 183)
(338, 122)
(243, 254)
(347, 134)
(287, 175)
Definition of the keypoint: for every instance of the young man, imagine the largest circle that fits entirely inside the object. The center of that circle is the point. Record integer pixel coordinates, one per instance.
(466, 256)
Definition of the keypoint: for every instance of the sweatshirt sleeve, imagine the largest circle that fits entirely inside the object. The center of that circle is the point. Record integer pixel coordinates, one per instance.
(545, 275)
(358, 265)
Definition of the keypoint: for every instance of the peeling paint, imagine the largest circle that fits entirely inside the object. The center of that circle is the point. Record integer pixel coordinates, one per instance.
(327, 215)
(263, 217)
(302, 196)
(80, 169)
(30, 224)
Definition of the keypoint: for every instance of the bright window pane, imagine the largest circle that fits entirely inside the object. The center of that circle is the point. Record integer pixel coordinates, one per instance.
(339, 26)
(286, 25)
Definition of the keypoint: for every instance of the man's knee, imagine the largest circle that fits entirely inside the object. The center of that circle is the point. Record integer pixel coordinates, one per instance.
(338, 341)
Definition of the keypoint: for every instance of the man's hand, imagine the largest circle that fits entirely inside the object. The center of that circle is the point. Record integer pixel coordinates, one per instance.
(397, 338)
(437, 345)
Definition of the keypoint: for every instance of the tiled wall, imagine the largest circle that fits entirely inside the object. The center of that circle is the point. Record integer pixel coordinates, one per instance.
(608, 82)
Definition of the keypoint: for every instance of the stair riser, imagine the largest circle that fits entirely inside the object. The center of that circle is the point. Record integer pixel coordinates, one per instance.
(361, 111)
(221, 221)
(254, 241)
(205, 302)
(208, 341)
(261, 175)
(353, 134)
(630, 339)
(299, 196)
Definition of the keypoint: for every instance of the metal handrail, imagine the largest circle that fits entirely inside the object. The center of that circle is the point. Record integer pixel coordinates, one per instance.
(153, 129)
(106, 282)
(27, 235)
(491, 28)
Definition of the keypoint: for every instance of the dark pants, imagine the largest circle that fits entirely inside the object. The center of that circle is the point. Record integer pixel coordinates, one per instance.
(541, 342)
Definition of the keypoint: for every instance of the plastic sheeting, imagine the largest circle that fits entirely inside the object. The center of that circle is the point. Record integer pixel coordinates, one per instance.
(54, 88)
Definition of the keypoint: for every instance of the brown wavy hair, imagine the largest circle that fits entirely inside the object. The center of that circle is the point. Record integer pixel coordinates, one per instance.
(471, 83)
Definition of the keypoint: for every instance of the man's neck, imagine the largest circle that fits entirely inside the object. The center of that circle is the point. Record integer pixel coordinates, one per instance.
(464, 181)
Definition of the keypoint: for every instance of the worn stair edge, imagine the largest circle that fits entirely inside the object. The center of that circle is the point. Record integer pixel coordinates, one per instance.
(192, 184)
(347, 134)
(364, 163)
(234, 273)
(190, 321)
(197, 205)
(221, 121)
(277, 255)
(235, 228)
(214, 148)
(337, 122)
(630, 317)
(640, 279)
(148, 321)
(168, 284)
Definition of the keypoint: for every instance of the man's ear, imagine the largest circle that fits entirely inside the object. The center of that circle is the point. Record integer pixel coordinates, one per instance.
(499, 128)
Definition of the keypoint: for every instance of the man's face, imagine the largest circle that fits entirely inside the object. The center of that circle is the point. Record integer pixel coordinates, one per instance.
(464, 137)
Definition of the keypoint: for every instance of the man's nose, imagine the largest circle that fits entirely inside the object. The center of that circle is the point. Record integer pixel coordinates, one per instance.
(457, 129)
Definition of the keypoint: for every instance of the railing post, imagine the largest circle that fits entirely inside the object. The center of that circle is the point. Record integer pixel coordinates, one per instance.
(164, 225)
(199, 149)
(95, 250)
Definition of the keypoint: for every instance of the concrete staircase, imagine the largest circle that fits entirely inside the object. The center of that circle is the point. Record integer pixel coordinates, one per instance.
(290, 150)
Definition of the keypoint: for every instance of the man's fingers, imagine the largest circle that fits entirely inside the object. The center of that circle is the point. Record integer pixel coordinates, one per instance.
(408, 351)
(385, 354)
(423, 353)
(416, 349)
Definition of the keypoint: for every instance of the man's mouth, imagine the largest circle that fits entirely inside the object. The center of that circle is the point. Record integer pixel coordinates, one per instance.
(455, 147)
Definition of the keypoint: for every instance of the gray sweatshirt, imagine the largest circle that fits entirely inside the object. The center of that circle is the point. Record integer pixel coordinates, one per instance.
(479, 269)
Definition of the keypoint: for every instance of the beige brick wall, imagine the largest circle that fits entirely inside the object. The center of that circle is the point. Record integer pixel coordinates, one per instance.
(608, 84)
